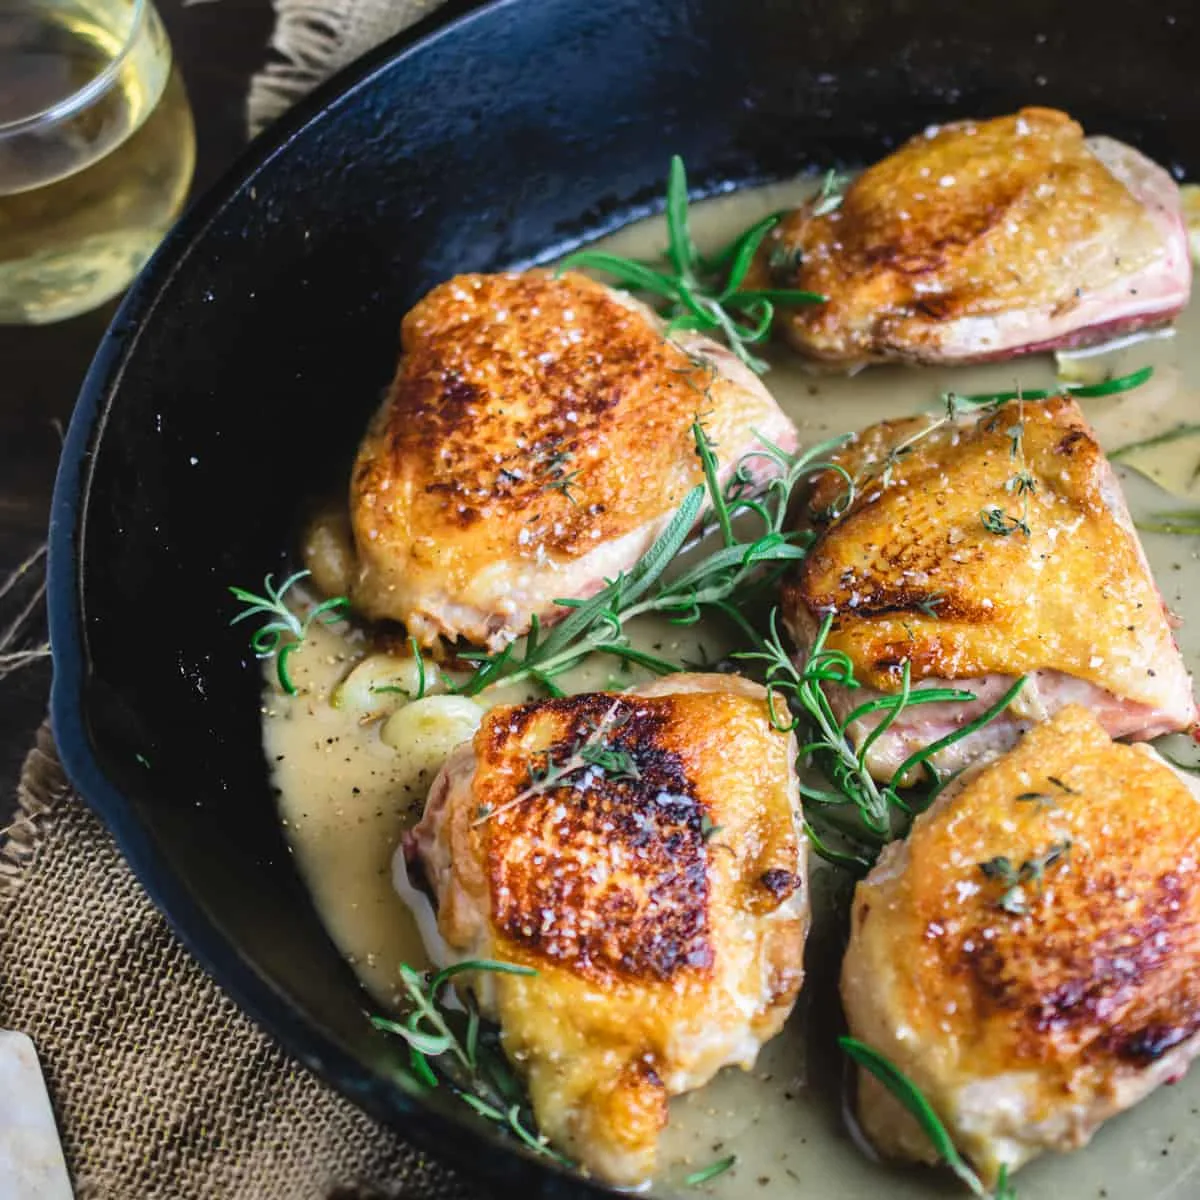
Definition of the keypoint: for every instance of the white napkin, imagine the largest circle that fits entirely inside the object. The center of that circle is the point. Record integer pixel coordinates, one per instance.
(315, 38)
(31, 1159)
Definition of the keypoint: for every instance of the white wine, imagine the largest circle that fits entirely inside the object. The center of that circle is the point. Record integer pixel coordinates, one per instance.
(97, 149)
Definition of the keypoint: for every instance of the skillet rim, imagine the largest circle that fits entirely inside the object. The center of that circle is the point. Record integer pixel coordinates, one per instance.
(267, 1006)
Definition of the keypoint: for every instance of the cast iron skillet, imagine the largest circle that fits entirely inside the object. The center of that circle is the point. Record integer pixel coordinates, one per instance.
(241, 369)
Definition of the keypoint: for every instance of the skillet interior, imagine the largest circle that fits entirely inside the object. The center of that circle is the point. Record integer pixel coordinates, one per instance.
(240, 371)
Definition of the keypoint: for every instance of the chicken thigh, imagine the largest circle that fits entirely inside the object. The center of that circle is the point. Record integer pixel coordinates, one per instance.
(982, 240)
(977, 550)
(1030, 955)
(536, 439)
(643, 852)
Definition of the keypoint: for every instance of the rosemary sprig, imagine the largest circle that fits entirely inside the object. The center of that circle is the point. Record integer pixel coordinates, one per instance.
(909, 1096)
(703, 294)
(758, 540)
(1178, 520)
(269, 639)
(1188, 429)
(827, 743)
(1110, 387)
(706, 1174)
(475, 1070)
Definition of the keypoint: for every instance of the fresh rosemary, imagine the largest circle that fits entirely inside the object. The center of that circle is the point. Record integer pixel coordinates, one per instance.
(910, 1097)
(419, 661)
(1190, 429)
(808, 711)
(1178, 520)
(1031, 871)
(269, 639)
(705, 1174)
(701, 293)
(757, 544)
(471, 1063)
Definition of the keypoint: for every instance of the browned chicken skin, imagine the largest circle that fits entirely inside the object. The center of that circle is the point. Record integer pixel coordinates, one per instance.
(663, 900)
(913, 576)
(984, 239)
(1030, 955)
(536, 439)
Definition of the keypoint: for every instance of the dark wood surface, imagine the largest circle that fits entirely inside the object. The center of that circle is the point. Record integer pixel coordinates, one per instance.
(218, 45)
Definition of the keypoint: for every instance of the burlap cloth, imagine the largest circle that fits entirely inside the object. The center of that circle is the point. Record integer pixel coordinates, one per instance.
(162, 1088)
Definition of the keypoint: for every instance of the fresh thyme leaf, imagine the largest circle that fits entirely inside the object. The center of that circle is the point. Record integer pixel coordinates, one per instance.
(1189, 429)
(707, 828)
(1179, 520)
(909, 1096)
(1062, 787)
(284, 630)
(696, 1178)
(1031, 871)
(996, 520)
(929, 606)
(1041, 799)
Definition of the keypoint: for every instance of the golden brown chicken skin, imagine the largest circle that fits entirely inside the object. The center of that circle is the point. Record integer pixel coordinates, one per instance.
(1030, 954)
(536, 438)
(661, 898)
(983, 239)
(993, 547)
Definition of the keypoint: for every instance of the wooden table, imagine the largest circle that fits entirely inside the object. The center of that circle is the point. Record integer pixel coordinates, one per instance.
(218, 45)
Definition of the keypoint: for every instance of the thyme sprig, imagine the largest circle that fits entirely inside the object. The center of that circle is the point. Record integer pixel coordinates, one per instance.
(470, 1063)
(757, 544)
(593, 754)
(909, 1096)
(807, 710)
(280, 636)
(701, 293)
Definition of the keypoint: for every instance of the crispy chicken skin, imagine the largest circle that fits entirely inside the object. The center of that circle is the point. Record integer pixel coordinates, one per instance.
(985, 239)
(913, 576)
(665, 913)
(535, 440)
(1029, 1016)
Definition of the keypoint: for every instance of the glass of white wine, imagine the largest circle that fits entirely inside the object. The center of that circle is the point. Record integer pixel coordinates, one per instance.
(96, 151)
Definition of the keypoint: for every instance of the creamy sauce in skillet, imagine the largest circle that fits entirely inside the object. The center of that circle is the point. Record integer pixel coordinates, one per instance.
(346, 798)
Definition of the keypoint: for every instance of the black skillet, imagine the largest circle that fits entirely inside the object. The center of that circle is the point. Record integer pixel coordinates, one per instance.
(239, 373)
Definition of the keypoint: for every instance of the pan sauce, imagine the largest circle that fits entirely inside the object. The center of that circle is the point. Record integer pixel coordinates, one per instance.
(345, 797)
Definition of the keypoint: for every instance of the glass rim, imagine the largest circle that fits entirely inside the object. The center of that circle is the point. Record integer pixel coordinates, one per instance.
(91, 91)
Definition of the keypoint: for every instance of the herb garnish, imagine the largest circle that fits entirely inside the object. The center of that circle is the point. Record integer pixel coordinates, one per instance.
(419, 661)
(909, 1095)
(593, 753)
(757, 546)
(473, 1065)
(804, 707)
(1178, 520)
(269, 639)
(1190, 429)
(555, 476)
(696, 1178)
(703, 293)
(1110, 387)
(1031, 871)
